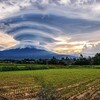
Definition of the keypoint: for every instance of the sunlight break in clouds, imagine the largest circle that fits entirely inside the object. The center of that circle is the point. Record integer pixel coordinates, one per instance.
(61, 26)
(6, 41)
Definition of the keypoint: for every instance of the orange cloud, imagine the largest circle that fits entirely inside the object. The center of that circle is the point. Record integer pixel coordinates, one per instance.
(7, 41)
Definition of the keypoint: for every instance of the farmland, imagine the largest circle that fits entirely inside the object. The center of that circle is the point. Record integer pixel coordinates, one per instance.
(60, 84)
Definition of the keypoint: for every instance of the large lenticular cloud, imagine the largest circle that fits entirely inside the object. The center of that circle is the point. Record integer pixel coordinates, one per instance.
(62, 26)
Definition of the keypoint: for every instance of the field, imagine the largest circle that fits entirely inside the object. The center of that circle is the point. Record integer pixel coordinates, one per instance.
(51, 84)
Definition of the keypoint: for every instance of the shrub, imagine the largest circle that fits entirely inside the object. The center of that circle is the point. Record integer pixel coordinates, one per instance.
(8, 68)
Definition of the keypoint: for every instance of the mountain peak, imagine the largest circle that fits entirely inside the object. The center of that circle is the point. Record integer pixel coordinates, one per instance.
(29, 53)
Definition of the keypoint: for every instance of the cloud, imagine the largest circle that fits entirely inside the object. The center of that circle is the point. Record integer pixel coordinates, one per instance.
(85, 9)
(6, 41)
(62, 26)
(92, 50)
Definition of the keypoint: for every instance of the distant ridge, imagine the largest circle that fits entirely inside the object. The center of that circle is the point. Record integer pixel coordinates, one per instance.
(29, 53)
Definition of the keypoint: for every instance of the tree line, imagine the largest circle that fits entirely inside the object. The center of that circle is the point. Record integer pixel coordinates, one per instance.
(63, 61)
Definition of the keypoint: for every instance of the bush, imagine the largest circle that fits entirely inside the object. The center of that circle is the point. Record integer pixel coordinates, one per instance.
(8, 68)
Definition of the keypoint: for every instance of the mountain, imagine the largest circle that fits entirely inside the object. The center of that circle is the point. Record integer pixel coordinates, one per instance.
(29, 53)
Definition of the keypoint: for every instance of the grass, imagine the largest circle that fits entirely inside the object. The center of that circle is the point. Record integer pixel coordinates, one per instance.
(21, 67)
(63, 82)
(18, 67)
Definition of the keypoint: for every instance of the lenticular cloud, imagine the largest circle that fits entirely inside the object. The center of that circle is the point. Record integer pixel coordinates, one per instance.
(57, 25)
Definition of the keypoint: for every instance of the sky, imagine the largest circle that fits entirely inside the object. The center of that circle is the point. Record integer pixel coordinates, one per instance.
(61, 26)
